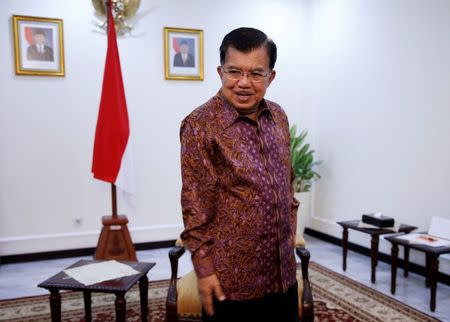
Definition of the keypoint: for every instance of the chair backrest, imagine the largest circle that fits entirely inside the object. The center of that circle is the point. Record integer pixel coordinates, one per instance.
(440, 227)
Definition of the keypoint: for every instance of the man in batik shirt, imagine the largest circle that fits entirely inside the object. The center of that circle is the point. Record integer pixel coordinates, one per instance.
(237, 199)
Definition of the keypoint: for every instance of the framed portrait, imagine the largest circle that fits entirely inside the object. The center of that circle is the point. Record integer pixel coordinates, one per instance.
(38, 46)
(183, 53)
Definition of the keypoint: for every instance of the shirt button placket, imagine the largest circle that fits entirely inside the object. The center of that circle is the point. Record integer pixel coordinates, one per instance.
(263, 153)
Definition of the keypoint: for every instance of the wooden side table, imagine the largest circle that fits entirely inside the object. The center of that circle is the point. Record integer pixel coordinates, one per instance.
(119, 287)
(375, 240)
(431, 263)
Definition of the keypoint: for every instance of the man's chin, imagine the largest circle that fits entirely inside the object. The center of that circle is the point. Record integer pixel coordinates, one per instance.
(245, 109)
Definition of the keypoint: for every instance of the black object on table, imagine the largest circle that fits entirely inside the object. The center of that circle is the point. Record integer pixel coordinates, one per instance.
(119, 287)
(379, 221)
(375, 235)
(431, 263)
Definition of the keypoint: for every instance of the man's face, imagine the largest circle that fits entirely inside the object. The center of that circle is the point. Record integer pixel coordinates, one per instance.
(184, 48)
(39, 39)
(244, 94)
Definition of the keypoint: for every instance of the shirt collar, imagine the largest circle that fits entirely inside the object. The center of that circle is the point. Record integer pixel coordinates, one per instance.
(230, 115)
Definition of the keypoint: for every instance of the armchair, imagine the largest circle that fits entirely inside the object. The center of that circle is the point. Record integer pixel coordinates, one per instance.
(183, 302)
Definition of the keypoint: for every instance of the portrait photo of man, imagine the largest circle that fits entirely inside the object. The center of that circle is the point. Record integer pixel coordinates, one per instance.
(184, 56)
(39, 49)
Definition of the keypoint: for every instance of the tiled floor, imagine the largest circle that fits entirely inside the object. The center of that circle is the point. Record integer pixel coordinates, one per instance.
(17, 280)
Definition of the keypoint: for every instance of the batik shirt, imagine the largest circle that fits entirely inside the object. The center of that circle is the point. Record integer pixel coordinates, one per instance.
(237, 199)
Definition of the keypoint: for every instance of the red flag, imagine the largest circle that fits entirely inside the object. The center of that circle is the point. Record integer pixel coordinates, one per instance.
(176, 45)
(112, 132)
(29, 35)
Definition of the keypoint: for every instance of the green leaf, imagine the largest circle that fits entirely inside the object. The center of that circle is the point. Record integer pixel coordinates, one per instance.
(302, 159)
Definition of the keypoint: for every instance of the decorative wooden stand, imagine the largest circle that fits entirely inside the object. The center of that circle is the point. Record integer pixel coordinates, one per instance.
(115, 240)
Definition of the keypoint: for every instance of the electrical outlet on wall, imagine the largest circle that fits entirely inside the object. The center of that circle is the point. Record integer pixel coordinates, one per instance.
(78, 222)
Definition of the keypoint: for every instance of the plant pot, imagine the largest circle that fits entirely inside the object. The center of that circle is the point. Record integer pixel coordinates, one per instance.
(304, 211)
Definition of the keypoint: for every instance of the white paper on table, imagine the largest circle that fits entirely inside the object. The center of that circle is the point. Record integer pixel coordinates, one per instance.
(425, 239)
(440, 227)
(98, 272)
(394, 228)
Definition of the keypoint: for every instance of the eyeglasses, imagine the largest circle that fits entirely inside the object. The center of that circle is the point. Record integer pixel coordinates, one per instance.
(237, 74)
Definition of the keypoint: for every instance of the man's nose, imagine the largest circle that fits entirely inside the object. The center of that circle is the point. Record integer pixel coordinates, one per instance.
(244, 81)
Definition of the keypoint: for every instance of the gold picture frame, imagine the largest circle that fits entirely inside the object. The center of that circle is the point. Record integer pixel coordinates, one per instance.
(38, 46)
(183, 53)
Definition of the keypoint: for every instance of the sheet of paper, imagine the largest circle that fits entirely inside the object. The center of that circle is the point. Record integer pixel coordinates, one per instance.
(440, 227)
(425, 239)
(98, 272)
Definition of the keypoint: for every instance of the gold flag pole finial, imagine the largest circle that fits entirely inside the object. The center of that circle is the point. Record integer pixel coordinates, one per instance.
(123, 11)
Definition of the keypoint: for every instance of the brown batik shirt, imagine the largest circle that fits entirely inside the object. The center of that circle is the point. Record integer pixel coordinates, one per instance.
(237, 199)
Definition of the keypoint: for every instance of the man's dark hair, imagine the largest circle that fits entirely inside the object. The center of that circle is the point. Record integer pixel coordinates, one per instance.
(247, 39)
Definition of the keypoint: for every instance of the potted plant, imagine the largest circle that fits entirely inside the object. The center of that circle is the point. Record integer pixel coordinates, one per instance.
(303, 164)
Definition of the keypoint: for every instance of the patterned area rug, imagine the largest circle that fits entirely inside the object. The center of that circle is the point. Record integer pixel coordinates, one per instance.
(336, 298)
(339, 298)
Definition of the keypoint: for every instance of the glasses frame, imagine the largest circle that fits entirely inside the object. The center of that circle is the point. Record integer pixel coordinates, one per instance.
(245, 74)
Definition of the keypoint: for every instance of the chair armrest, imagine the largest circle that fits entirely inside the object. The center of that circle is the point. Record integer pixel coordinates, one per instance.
(304, 256)
(307, 298)
(174, 254)
(171, 303)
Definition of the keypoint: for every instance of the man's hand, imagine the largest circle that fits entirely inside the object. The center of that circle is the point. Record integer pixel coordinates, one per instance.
(208, 287)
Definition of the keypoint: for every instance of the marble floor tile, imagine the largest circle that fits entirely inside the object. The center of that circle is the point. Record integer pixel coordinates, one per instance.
(410, 290)
(18, 280)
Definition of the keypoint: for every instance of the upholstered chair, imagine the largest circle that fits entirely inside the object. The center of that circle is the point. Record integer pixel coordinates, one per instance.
(183, 301)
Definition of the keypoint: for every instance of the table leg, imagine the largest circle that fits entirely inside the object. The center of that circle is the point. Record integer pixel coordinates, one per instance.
(55, 305)
(434, 267)
(394, 259)
(406, 261)
(427, 270)
(344, 248)
(87, 306)
(143, 290)
(121, 307)
(374, 255)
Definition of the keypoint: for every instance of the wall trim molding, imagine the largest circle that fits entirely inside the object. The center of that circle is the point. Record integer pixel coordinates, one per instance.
(10, 259)
(413, 267)
(48, 243)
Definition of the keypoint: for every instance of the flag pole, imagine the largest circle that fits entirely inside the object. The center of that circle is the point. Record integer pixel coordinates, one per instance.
(114, 200)
(113, 186)
(108, 6)
(115, 240)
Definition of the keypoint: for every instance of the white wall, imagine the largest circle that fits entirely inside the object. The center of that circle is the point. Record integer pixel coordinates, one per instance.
(380, 104)
(48, 123)
(369, 79)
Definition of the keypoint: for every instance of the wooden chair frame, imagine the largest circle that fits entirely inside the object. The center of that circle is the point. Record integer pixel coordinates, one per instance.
(171, 304)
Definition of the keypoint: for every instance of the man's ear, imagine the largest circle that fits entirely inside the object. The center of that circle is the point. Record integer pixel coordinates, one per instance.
(219, 71)
(272, 76)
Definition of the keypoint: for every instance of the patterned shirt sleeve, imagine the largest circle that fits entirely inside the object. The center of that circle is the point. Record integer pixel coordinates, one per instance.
(197, 197)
